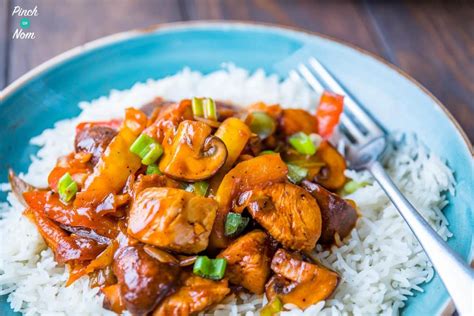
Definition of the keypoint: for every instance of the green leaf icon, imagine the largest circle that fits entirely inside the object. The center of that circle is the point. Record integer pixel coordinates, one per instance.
(25, 23)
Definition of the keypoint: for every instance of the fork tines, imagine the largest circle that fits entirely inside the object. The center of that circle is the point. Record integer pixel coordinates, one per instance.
(355, 123)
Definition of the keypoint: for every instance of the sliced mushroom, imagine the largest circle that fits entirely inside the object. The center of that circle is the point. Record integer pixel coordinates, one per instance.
(289, 214)
(331, 176)
(172, 219)
(94, 139)
(194, 154)
(338, 215)
(299, 282)
(144, 281)
(253, 173)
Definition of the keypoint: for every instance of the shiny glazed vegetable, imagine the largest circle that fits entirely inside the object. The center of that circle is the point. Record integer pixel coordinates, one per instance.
(175, 207)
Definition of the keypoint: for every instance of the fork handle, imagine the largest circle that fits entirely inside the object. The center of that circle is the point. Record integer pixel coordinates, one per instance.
(456, 275)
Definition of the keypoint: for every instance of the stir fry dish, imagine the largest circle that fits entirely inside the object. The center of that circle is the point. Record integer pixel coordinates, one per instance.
(179, 204)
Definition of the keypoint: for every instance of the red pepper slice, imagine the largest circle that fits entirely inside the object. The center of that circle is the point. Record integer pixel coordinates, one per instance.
(328, 113)
(65, 247)
(48, 204)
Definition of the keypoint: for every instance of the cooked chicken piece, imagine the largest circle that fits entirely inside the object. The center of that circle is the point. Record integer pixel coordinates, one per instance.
(292, 266)
(248, 261)
(246, 175)
(167, 120)
(338, 215)
(94, 140)
(298, 282)
(274, 110)
(144, 281)
(195, 295)
(296, 120)
(226, 110)
(172, 219)
(145, 181)
(289, 214)
(153, 108)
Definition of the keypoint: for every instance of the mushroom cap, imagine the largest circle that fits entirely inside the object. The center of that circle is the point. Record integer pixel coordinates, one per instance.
(194, 154)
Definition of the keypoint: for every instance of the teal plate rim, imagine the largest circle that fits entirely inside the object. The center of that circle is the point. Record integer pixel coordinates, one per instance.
(448, 306)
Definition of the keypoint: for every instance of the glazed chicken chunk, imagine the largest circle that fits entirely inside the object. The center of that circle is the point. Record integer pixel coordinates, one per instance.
(248, 261)
(195, 295)
(172, 219)
(289, 214)
(299, 282)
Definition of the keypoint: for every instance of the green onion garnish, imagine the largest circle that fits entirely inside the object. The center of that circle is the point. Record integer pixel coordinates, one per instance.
(199, 188)
(262, 124)
(272, 308)
(296, 174)
(218, 268)
(140, 145)
(210, 110)
(352, 186)
(266, 152)
(235, 224)
(213, 269)
(302, 143)
(146, 148)
(67, 187)
(155, 151)
(153, 169)
(198, 107)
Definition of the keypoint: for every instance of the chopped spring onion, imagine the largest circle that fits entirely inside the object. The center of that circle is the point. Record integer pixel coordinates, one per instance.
(302, 143)
(67, 187)
(140, 145)
(198, 107)
(146, 148)
(155, 151)
(210, 110)
(204, 107)
(199, 188)
(235, 224)
(352, 186)
(266, 152)
(295, 173)
(272, 308)
(213, 269)
(153, 169)
(261, 124)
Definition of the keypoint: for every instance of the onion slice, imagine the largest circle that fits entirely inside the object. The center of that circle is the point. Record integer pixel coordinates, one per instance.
(160, 255)
(19, 186)
(185, 261)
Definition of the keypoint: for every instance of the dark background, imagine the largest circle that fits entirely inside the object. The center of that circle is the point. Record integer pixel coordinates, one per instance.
(433, 41)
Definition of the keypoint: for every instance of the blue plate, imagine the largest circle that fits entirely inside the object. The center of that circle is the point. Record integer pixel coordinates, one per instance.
(52, 91)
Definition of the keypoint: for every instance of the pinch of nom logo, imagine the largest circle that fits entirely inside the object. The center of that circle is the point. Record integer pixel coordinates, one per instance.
(25, 22)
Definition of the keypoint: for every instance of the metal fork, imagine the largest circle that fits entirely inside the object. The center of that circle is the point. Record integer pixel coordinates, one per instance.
(367, 141)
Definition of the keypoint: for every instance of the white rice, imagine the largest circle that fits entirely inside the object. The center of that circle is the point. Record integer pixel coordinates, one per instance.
(381, 263)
